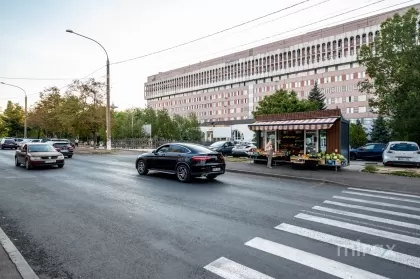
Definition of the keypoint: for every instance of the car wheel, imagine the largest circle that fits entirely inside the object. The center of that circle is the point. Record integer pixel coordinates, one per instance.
(352, 157)
(27, 164)
(183, 173)
(141, 167)
(70, 156)
(211, 176)
(60, 166)
(17, 164)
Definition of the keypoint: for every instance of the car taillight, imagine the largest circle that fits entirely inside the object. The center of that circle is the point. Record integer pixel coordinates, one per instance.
(201, 158)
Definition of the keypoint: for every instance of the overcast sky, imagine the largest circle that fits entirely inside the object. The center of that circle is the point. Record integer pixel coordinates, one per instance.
(34, 44)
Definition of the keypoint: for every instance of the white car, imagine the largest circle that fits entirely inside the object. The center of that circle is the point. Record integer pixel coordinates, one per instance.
(401, 153)
(242, 150)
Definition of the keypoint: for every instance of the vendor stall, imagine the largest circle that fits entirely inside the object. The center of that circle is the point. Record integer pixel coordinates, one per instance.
(304, 138)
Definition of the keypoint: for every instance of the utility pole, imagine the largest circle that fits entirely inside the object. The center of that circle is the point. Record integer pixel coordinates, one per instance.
(95, 139)
(108, 91)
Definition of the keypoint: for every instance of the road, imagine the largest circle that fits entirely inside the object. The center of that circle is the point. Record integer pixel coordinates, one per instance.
(96, 218)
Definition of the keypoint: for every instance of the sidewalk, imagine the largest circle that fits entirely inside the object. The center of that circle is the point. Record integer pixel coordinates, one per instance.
(7, 267)
(12, 263)
(346, 178)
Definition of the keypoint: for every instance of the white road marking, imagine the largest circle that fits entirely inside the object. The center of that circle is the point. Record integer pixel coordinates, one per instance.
(228, 269)
(381, 197)
(368, 217)
(361, 229)
(353, 221)
(334, 268)
(358, 246)
(385, 192)
(374, 209)
(378, 203)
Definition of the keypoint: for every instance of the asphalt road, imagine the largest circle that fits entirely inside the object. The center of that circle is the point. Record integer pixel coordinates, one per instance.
(96, 218)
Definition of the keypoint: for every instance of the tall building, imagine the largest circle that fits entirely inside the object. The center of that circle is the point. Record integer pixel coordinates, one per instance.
(229, 87)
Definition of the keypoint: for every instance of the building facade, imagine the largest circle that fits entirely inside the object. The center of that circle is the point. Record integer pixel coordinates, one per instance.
(229, 88)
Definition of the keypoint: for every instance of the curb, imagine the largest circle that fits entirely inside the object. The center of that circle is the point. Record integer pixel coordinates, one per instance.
(22, 266)
(308, 179)
(291, 177)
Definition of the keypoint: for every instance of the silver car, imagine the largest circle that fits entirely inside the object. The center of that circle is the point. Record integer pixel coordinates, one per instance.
(401, 153)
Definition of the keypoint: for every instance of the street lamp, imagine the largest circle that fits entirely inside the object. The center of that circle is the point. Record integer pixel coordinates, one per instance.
(25, 133)
(108, 92)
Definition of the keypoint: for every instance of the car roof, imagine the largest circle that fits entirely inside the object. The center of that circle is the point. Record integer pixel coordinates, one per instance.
(402, 141)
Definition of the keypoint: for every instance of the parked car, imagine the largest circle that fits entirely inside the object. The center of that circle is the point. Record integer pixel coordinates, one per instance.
(401, 153)
(242, 150)
(370, 151)
(224, 147)
(184, 160)
(37, 155)
(8, 143)
(63, 147)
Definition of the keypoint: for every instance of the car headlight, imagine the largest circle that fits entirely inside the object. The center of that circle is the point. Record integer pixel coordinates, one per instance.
(61, 157)
(35, 158)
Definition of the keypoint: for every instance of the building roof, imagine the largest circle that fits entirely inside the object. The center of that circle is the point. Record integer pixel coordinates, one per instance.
(227, 123)
(309, 36)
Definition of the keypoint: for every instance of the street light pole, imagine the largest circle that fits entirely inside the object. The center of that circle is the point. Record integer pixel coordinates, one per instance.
(108, 92)
(25, 133)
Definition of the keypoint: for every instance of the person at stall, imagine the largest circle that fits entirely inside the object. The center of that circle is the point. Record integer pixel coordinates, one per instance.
(270, 151)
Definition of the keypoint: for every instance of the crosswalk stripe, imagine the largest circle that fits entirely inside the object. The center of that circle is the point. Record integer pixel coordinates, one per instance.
(374, 209)
(381, 197)
(361, 229)
(387, 254)
(368, 217)
(378, 203)
(326, 265)
(385, 192)
(228, 269)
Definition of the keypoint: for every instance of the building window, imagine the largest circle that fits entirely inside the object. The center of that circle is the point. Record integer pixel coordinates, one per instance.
(362, 109)
(361, 98)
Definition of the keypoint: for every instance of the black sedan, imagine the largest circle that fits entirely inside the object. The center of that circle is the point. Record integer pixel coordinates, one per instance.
(184, 160)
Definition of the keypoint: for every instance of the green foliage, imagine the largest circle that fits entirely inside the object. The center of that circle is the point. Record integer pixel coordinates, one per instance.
(283, 101)
(370, 169)
(129, 123)
(406, 173)
(12, 120)
(316, 96)
(358, 136)
(393, 66)
(380, 131)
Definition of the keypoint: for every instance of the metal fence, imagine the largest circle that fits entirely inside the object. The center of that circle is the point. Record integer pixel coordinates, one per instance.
(142, 143)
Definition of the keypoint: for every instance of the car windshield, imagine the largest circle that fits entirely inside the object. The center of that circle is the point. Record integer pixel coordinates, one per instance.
(404, 147)
(41, 148)
(9, 141)
(218, 144)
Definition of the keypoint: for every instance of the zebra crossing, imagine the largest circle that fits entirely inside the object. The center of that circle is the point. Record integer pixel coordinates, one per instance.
(381, 215)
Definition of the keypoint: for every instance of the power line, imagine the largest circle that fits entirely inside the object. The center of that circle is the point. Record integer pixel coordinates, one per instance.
(46, 79)
(60, 87)
(314, 29)
(210, 35)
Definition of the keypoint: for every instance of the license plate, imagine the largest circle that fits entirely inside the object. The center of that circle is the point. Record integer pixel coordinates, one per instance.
(64, 150)
(404, 159)
(216, 169)
(50, 161)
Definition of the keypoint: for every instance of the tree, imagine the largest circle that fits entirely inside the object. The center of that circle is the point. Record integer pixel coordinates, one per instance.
(283, 101)
(393, 65)
(13, 119)
(4, 131)
(358, 136)
(316, 96)
(380, 131)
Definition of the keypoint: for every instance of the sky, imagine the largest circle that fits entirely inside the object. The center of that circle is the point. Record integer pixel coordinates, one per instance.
(37, 53)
